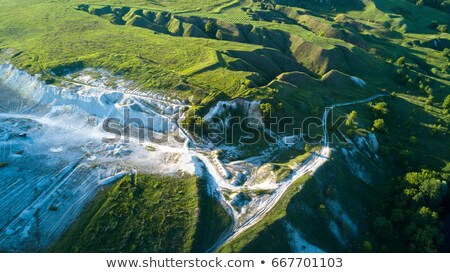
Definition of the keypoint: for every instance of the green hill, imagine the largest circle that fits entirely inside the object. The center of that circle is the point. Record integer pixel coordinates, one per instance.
(148, 213)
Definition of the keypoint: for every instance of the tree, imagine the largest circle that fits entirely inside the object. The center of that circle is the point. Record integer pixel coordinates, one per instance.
(380, 108)
(428, 90)
(426, 187)
(366, 246)
(307, 147)
(445, 173)
(411, 212)
(442, 28)
(446, 103)
(378, 124)
(322, 209)
(424, 238)
(423, 231)
(429, 100)
(400, 61)
(266, 109)
(351, 118)
(383, 227)
(433, 190)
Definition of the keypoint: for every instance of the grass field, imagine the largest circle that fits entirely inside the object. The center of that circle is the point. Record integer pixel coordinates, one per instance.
(44, 37)
(141, 214)
(148, 213)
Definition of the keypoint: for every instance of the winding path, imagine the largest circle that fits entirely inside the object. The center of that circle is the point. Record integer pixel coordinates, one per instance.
(309, 166)
(216, 179)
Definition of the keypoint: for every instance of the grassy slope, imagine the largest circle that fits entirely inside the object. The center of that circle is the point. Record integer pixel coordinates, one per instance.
(149, 214)
(213, 220)
(310, 211)
(409, 116)
(53, 35)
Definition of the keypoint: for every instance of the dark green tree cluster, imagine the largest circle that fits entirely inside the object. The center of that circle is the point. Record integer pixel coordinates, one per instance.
(379, 111)
(410, 218)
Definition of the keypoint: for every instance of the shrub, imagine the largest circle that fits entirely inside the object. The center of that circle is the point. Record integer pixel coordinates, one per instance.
(401, 61)
(351, 118)
(442, 28)
(307, 147)
(266, 108)
(383, 227)
(378, 124)
(446, 102)
(380, 108)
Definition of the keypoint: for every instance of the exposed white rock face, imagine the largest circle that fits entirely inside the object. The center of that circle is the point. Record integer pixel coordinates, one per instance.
(298, 242)
(223, 111)
(373, 142)
(351, 156)
(358, 81)
(99, 102)
(112, 179)
(56, 159)
(338, 212)
(290, 141)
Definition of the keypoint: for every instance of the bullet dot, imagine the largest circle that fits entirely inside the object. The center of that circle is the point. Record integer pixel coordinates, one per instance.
(263, 262)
